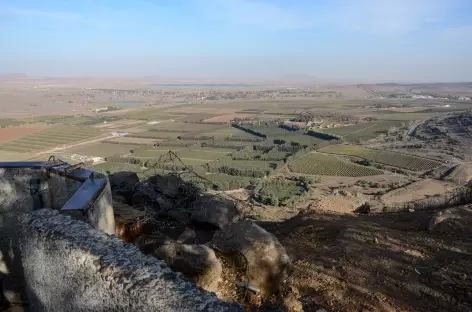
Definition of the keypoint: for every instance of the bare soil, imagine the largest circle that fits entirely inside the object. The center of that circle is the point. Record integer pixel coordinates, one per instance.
(382, 262)
(417, 191)
(15, 132)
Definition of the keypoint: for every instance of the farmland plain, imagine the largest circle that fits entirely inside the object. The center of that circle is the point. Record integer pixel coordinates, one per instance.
(320, 165)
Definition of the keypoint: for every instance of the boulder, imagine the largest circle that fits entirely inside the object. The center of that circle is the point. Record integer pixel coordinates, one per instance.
(168, 185)
(197, 262)
(145, 197)
(264, 258)
(213, 210)
(187, 237)
(447, 221)
(123, 179)
(123, 184)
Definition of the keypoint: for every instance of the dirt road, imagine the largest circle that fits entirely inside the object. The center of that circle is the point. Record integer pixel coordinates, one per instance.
(58, 149)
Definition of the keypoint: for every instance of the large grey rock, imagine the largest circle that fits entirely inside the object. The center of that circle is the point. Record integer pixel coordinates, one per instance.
(146, 197)
(213, 210)
(265, 259)
(123, 181)
(168, 185)
(124, 184)
(197, 262)
(188, 236)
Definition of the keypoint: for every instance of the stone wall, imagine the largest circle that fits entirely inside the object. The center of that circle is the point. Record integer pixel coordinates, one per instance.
(69, 266)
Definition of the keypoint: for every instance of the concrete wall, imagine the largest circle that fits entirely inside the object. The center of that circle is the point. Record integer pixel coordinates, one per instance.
(23, 190)
(17, 196)
(69, 266)
(101, 215)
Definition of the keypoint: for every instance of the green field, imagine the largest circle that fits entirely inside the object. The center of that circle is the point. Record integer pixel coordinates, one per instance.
(50, 138)
(153, 152)
(190, 128)
(196, 117)
(399, 160)
(163, 135)
(153, 114)
(190, 156)
(6, 122)
(404, 116)
(204, 153)
(278, 192)
(222, 181)
(102, 149)
(346, 130)
(227, 132)
(274, 132)
(362, 132)
(322, 164)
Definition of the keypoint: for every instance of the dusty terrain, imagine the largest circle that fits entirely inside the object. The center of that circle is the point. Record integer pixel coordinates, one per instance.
(386, 262)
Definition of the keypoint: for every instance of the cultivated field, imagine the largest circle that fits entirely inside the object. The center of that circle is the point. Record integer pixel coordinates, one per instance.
(14, 132)
(314, 193)
(51, 137)
(362, 132)
(226, 118)
(399, 160)
(101, 149)
(321, 164)
(132, 141)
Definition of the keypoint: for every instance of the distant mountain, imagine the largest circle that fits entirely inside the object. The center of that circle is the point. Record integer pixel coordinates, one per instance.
(13, 75)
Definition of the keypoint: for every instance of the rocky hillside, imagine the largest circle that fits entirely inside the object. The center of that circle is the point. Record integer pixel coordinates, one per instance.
(315, 261)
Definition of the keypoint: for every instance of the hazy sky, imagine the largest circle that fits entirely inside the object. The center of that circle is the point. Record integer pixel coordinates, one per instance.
(401, 40)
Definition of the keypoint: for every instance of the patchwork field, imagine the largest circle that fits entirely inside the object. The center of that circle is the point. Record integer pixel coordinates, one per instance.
(399, 160)
(322, 164)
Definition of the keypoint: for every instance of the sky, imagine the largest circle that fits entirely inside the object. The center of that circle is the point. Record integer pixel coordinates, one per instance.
(355, 40)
